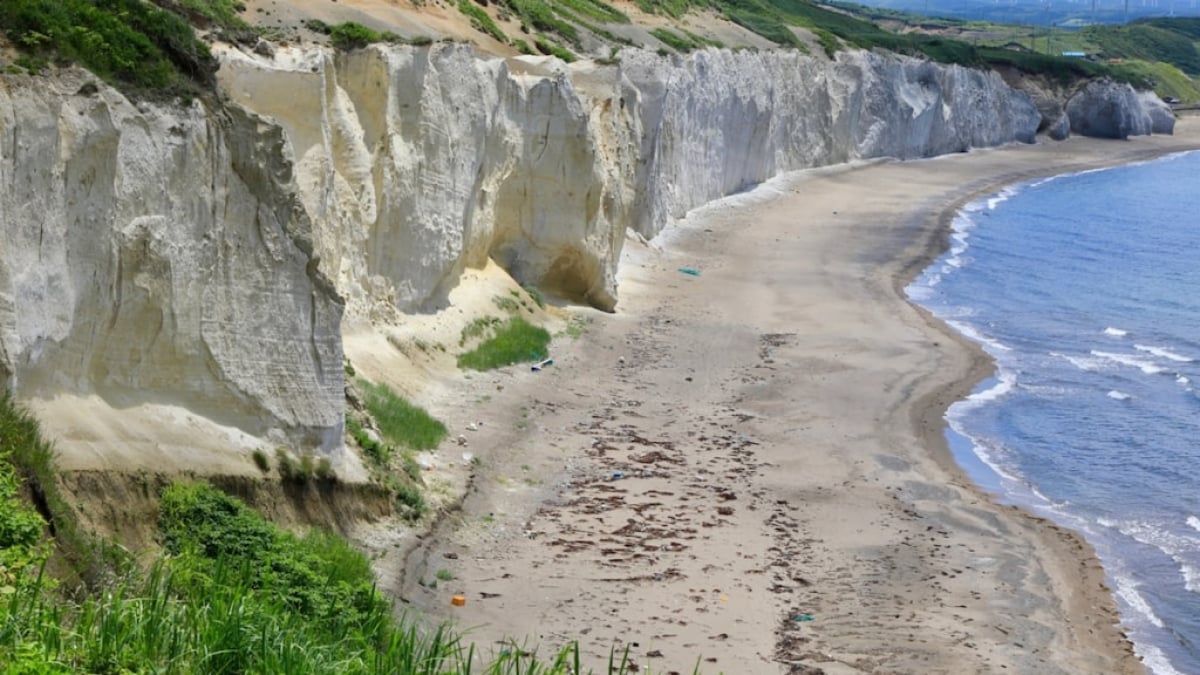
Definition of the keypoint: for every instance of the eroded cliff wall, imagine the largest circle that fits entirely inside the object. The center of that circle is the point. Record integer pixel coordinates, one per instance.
(416, 163)
(203, 256)
(158, 253)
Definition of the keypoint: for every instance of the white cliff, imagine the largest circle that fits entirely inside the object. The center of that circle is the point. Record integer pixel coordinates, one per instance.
(417, 163)
(201, 257)
(718, 121)
(157, 253)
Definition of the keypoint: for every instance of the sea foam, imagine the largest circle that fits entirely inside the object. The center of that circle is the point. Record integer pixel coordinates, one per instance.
(1082, 362)
(1182, 548)
(1145, 365)
(1155, 660)
(972, 334)
(1162, 352)
(1127, 591)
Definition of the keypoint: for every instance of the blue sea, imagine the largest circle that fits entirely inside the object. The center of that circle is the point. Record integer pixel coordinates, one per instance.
(1085, 289)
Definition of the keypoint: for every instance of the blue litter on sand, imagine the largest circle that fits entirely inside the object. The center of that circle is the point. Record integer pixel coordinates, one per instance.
(803, 617)
(690, 270)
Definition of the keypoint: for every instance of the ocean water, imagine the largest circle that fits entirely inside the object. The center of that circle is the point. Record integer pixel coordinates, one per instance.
(1085, 289)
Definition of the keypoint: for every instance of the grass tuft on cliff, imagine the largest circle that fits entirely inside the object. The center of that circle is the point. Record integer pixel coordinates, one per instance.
(401, 422)
(514, 341)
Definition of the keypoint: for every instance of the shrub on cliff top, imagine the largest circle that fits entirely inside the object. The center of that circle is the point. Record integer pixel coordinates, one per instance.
(122, 41)
(352, 35)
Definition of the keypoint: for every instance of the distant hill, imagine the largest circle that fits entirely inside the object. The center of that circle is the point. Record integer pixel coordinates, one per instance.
(1043, 13)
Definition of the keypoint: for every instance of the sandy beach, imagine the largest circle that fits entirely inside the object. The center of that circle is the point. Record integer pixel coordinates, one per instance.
(743, 470)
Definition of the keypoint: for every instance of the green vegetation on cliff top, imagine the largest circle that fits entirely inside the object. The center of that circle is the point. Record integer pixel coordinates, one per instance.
(152, 46)
(128, 42)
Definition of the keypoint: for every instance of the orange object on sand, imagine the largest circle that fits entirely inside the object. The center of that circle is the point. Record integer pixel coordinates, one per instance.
(458, 600)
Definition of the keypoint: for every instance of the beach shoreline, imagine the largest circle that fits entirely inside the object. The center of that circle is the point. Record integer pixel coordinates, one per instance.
(746, 469)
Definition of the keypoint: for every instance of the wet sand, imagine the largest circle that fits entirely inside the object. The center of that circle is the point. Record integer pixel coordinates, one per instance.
(745, 469)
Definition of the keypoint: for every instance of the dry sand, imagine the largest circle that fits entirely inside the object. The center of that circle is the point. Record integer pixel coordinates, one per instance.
(776, 426)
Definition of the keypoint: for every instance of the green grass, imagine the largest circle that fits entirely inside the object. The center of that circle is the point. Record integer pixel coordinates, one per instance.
(481, 20)
(536, 15)
(123, 41)
(1167, 79)
(411, 502)
(672, 8)
(548, 48)
(261, 460)
(303, 470)
(223, 13)
(399, 421)
(478, 327)
(80, 558)
(351, 35)
(21, 549)
(576, 326)
(703, 41)
(380, 454)
(597, 10)
(235, 594)
(674, 40)
(534, 292)
(511, 305)
(514, 341)
(1147, 42)
(231, 593)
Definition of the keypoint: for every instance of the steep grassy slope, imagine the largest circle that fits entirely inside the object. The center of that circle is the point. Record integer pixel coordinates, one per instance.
(152, 46)
(1166, 40)
(123, 41)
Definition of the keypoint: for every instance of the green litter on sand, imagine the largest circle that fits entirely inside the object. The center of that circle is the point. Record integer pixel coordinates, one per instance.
(690, 270)
(803, 617)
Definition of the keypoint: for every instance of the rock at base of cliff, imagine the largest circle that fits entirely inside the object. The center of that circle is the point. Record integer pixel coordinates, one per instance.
(1106, 109)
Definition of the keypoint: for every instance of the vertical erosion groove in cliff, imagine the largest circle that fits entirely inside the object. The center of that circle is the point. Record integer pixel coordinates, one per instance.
(415, 163)
(155, 254)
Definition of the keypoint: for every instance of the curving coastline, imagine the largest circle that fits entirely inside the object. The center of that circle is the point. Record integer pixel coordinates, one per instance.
(928, 413)
(776, 426)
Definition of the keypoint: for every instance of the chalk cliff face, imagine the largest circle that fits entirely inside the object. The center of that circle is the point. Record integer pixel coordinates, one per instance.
(159, 253)
(719, 121)
(204, 257)
(415, 163)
